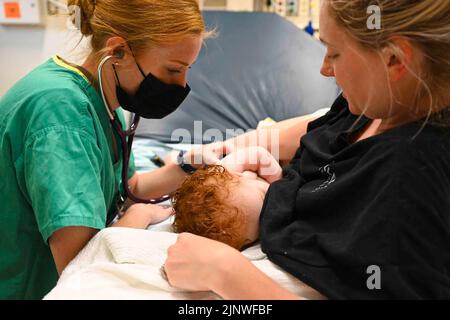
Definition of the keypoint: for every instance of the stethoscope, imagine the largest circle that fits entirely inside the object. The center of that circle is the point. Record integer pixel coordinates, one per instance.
(126, 146)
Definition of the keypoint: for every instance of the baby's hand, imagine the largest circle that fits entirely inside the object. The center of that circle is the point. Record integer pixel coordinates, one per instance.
(256, 159)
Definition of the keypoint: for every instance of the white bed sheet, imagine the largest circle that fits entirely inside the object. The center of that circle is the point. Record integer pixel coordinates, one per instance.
(122, 263)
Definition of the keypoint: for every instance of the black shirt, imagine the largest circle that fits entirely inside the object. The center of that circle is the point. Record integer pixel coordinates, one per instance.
(383, 201)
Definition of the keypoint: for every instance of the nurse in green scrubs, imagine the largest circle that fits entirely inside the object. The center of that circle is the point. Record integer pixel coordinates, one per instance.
(61, 159)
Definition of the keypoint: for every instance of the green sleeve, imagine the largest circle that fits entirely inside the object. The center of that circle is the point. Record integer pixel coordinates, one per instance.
(62, 170)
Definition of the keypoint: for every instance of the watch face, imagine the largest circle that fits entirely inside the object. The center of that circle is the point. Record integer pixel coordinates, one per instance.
(187, 168)
(180, 158)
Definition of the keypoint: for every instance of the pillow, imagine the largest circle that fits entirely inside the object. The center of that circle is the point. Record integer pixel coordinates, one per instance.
(259, 66)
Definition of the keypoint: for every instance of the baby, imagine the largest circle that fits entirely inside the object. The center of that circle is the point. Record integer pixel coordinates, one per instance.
(223, 202)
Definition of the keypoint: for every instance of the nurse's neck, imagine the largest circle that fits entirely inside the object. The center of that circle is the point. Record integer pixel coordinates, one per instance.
(108, 80)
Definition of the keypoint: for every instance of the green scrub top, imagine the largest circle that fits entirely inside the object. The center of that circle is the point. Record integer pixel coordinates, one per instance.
(57, 169)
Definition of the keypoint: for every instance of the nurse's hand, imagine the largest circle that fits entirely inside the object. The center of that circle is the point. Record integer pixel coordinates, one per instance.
(198, 264)
(200, 156)
(140, 216)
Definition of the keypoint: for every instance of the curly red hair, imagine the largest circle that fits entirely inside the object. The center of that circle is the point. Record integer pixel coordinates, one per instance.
(202, 208)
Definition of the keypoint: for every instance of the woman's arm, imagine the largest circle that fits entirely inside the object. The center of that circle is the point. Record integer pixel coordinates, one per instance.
(249, 283)
(198, 264)
(281, 139)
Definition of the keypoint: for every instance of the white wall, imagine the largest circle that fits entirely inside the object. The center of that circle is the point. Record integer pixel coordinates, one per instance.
(240, 5)
(22, 48)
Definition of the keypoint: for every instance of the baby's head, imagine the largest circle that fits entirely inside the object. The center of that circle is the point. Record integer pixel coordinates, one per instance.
(220, 205)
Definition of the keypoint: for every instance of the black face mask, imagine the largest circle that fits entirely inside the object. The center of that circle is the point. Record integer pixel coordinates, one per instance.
(154, 98)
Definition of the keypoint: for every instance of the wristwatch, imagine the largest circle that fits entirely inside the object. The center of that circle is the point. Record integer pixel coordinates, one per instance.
(186, 167)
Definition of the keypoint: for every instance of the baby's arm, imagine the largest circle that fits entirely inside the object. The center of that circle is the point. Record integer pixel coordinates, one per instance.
(256, 159)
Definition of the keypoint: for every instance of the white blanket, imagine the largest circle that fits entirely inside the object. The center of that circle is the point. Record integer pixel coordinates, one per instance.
(121, 263)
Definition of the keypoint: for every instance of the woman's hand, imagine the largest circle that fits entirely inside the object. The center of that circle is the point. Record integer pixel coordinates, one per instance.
(197, 264)
(140, 216)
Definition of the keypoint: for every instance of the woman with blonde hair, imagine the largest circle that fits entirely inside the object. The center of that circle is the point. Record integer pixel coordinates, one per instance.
(363, 209)
(63, 146)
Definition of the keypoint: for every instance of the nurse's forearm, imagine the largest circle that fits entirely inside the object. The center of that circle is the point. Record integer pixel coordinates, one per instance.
(157, 183)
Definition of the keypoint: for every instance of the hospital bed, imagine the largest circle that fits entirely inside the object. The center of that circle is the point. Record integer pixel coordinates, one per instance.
(259, 66)
(121, 263)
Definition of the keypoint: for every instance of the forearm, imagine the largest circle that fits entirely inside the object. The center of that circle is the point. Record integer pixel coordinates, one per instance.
(140, 216)
(246, 282)
(135, 222)
(158, 183)
(281, 139)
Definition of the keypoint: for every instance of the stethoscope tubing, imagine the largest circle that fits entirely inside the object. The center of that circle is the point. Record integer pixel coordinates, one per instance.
(126, 146)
